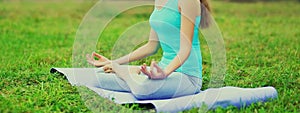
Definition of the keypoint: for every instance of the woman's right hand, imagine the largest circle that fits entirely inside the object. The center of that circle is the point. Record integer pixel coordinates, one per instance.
(98, 63)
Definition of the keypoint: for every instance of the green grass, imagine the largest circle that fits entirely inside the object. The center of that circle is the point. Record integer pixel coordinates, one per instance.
(262, 46)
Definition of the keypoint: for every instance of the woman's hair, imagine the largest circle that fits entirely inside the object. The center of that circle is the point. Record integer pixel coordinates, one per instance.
(205, 13)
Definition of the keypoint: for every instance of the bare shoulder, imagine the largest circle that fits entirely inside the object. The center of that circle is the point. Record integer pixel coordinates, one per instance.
(189, 3)
(189, 6)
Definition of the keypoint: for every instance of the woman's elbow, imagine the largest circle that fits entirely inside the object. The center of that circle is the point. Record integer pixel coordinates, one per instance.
(154, 51)
(153, 47)
(185, 51)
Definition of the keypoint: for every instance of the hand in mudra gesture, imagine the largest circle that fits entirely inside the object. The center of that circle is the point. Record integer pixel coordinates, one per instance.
(155, 73)
(97, 63)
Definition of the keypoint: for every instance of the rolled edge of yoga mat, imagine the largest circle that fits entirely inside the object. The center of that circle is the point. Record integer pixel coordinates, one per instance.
(242, 97)
(213, 98)
(54, 70)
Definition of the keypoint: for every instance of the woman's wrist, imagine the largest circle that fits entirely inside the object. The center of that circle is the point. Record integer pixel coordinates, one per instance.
(166, 72)
(120, 61)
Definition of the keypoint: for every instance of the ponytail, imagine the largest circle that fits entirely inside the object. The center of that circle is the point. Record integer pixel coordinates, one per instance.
(205, 13)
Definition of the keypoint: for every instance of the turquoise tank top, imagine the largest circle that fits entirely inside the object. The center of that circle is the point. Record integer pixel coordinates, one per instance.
(166, 23)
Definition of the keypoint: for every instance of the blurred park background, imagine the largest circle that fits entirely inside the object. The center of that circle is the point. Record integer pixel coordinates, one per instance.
(262, 39)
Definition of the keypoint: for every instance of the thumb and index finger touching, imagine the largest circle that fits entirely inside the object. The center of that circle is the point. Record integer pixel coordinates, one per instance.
(97, 55)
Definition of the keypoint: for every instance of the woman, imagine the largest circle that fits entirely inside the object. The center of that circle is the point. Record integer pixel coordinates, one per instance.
(174, 27)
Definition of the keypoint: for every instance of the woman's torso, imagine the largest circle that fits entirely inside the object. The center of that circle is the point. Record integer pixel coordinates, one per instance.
(166, 23)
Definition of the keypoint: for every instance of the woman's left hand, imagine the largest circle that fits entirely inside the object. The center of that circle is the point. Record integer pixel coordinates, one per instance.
(155, 72)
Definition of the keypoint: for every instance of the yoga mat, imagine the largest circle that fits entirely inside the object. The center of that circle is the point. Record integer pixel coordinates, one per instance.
(212, 98)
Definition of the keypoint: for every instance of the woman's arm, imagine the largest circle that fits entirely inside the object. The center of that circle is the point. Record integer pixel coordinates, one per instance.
(148, 49)
(190, 9)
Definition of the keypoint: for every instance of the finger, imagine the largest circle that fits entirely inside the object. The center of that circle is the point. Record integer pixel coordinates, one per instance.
(89, 60)
(107, 67)
(97, 55)
(145, 71)
(151, 66)
(100, 56)
(92, 57)
(157, 67)
(153, 70)
(142, 67)
(109, 71)
(153, 62)
(88, 57)
(145, 65)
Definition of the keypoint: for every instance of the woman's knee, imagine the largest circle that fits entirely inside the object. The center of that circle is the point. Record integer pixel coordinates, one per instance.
(143, 95)
(142, 91)
(150, 91)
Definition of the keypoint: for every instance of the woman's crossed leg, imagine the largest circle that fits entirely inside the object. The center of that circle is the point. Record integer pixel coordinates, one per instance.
(177, 84)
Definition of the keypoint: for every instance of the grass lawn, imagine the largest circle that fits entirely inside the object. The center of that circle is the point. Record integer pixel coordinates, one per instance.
(262, 44)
